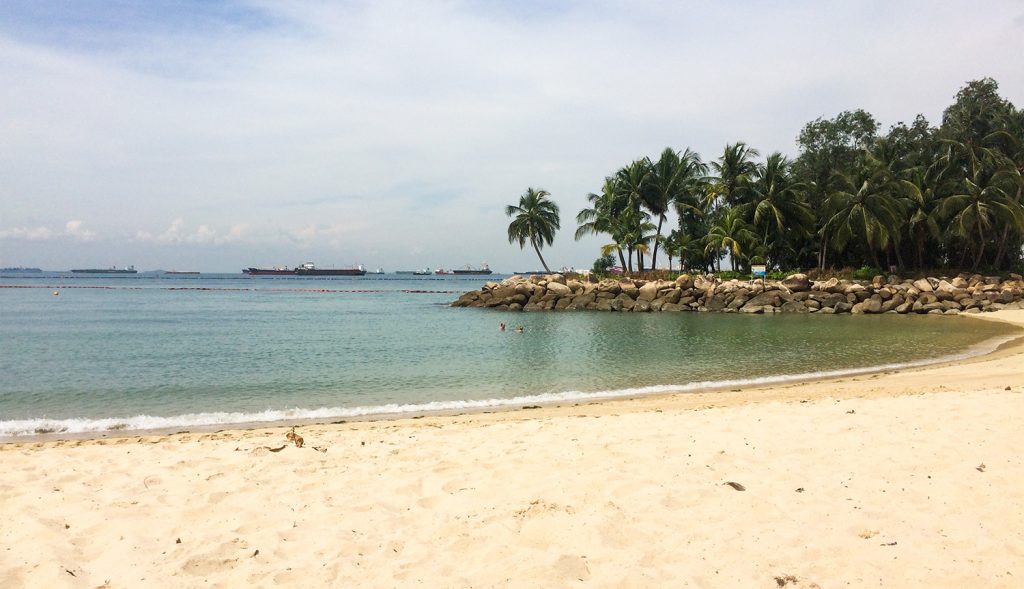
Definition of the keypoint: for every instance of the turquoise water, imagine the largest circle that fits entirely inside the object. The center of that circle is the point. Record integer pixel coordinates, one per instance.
(146, 352)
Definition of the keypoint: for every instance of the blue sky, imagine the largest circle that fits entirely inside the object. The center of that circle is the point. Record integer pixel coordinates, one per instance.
(216, 135)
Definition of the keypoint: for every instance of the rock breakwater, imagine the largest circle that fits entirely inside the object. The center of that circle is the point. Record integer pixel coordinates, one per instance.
(964, 293)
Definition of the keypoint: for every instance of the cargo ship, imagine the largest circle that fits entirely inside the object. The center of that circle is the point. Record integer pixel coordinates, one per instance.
(310, 269)
(481, 271)
(307, 269)
(182, 272)
(111, 270)
(21, 270)
(275, 271)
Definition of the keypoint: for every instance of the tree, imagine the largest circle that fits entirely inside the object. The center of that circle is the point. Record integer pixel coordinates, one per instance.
(780, 213)
(732, 234)
(671, 181)
(633, 185)
(535, 221)
(864, 207)
(734, 170)
(982, 201)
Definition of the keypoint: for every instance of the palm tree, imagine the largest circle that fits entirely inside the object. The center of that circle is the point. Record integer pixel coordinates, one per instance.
(780, 212)
(536, 221)
(734, 170)
(600, 217)
(865, 207)
(982, 201)
(671, 182)
(731, 233)
(633, 184)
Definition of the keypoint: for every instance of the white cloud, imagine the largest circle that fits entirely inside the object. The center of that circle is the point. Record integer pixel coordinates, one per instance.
(26, 233)
(74, 229)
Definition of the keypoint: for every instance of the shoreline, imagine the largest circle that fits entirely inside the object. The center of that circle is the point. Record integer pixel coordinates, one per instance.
(904, 478)
(1012, 344)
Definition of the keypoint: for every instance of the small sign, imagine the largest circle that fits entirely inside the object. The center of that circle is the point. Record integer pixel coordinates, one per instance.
(758, 271)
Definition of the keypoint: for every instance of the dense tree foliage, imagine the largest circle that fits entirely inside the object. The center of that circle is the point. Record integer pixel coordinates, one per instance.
(916, 197)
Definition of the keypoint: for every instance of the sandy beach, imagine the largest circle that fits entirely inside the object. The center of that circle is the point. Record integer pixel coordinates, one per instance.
(906, 478)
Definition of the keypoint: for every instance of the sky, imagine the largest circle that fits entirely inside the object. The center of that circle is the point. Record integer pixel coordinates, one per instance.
(215, 135)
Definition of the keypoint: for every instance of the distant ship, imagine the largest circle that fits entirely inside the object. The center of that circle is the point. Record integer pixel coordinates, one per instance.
(307, 269)
(275, 271)
(111, 270)
(21, 270)
(423, 272)
(482, 270)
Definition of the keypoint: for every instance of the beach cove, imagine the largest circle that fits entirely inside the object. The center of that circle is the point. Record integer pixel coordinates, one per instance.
(903, 478)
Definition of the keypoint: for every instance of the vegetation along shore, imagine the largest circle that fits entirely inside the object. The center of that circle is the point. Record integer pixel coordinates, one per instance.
(916, 198)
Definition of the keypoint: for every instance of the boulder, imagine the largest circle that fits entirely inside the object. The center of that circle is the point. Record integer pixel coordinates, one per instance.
(797, 283)
(684, 281)
(768, 297)
(558, 289)
(923, 285)
(648, 292)
(843, 307)
(872, 305)
(794, 307)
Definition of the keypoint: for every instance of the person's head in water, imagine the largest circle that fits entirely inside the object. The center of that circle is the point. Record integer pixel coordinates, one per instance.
(519, 329)
(501, 327)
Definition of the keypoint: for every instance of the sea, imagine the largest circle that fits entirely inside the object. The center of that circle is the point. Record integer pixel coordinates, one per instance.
(95, 355)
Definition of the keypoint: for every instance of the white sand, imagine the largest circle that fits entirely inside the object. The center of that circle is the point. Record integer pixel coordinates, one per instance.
(909, 479)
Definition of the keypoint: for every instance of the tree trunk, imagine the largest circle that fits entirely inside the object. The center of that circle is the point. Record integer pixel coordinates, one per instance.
(1002, 246)
(542, 262)
(622, 259)
(657, 242)
(1006, 236)
(981, 247)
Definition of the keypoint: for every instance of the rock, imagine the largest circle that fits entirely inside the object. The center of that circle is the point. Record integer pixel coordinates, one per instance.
(768, 297)
(684, 281)
(559, 289)
(648, 292)
(716, 302)
(609, 286)
(629, 289)
(642, 306)
(797, 283)
(923, 285)
(625, 302)
(872, 305)
(794, 307)
(842, 307)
